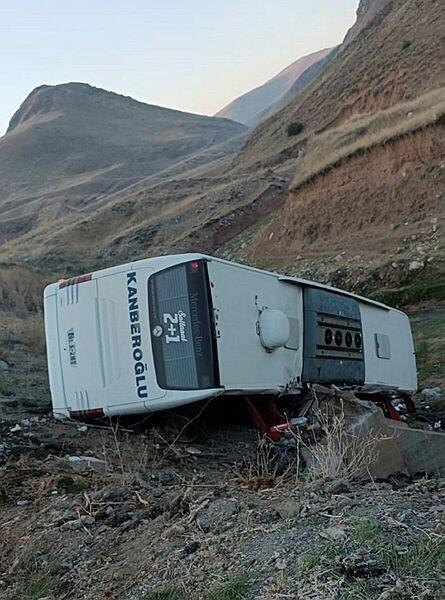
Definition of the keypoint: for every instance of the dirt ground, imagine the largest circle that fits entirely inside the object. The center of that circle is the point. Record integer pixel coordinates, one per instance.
(209, 511)
(375, 204)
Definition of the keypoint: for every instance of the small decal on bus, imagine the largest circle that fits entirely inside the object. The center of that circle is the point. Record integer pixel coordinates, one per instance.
(72, 353)
(177, 327)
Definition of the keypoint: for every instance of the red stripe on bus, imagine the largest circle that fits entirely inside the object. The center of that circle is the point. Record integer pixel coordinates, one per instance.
(82, 414)
(74, 280)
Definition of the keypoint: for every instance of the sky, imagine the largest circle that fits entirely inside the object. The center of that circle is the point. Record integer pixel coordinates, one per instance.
(192, 55)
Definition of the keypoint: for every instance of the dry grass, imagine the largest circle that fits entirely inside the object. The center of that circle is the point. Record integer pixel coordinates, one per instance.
(128, 454)
(337, 452)
(21, 290)
(28, 328)
(265, 469)
(328, 148)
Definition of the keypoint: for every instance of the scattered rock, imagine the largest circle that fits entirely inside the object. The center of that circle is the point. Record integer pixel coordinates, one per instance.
(23, 502)
(216, 513)
(113, 493)
(333, 533)
(163, 476)
(173, 531)
(288, 509)
(193, 451)
(119, 516)
(415, 265)
(315, 509)
(337, 486)
(66, 483)
(363, 563)
(83, 521)
(4, 365)
(178, 505)
(189, 549)
(80, 463)
(342, 501)
(431, 393)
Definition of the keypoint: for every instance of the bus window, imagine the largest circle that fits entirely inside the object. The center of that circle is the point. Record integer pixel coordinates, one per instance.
(184, 350)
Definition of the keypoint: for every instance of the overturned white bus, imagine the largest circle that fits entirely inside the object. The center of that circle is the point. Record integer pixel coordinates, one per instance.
(167, 331)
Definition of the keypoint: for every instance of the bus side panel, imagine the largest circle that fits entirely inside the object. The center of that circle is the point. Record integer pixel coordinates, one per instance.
(388, 348)
(53, 353)
(238, 295)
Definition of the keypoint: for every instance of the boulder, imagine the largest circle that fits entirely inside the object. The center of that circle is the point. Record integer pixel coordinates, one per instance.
(288, 509)
(216, 513)
(87, 463)
(333, 533)
(363, 564)
(431, 393)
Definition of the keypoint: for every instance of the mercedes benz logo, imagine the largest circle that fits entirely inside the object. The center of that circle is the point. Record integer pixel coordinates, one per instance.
(157, 331)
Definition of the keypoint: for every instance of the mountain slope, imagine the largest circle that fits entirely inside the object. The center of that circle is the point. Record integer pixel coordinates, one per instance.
(210, 201)
(394, 58)
(365, 207)
(246, 108)
(299, 84)
(367, 10)
(68, 144)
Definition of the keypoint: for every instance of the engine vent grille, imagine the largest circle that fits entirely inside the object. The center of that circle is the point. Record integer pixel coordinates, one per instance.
(338, 337)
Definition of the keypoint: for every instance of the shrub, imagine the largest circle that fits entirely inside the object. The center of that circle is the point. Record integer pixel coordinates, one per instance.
(235, 588)
(340, 452)
(294, 129)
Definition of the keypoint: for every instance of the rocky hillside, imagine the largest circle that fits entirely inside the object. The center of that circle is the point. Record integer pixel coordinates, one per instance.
(366, 140)
(67, 145)
(362, 144)
(395, 58)
(362, 197)
(251, 107)
(299, 84)
(366, 12)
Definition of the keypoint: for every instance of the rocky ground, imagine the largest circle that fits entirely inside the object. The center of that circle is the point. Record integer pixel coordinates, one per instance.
(211, 510)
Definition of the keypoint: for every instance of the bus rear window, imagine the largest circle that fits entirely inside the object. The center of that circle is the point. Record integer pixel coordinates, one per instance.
(181, 327)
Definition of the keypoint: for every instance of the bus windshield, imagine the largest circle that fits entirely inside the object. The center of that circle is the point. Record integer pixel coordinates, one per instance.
(184, 350)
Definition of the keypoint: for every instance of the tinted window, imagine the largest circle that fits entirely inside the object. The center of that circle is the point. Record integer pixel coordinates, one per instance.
(181, 327)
